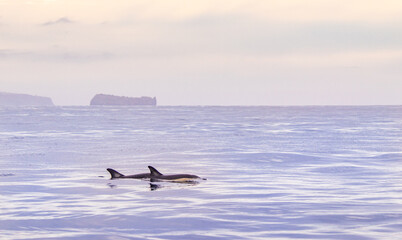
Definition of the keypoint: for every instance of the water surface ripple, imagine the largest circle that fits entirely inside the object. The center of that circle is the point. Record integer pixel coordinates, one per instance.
(273, 172)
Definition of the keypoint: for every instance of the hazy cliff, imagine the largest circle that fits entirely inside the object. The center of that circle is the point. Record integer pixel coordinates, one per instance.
(14, 99)
(103, 99)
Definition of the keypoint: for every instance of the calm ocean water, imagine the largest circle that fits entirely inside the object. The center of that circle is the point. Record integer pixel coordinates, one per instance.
(273, 173)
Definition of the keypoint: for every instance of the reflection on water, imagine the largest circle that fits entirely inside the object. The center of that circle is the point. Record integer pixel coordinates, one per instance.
(154, 186)
(273, 173)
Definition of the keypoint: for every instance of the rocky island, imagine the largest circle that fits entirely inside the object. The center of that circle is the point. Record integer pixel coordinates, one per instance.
(14, 99)
(104, 99)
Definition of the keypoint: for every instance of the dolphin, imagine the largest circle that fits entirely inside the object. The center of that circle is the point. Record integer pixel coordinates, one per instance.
(185, 178)
(115, 174)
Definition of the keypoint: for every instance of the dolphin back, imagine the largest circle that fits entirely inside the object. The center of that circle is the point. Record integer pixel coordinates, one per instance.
(154, 172)
(114, 173)
(156, 175)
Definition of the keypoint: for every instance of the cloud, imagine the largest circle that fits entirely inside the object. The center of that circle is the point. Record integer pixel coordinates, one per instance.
(200, 32)
(63, 20)
(11, 53)
(245, 36)
(55, 56)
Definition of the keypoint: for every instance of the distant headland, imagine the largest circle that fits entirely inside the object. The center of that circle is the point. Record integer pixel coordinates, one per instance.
(15, 99)
(104, 99)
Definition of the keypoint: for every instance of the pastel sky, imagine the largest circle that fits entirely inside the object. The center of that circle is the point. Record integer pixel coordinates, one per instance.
(204, 52)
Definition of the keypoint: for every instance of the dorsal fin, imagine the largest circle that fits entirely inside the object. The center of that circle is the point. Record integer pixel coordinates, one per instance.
(154, 172)
(114, 173)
